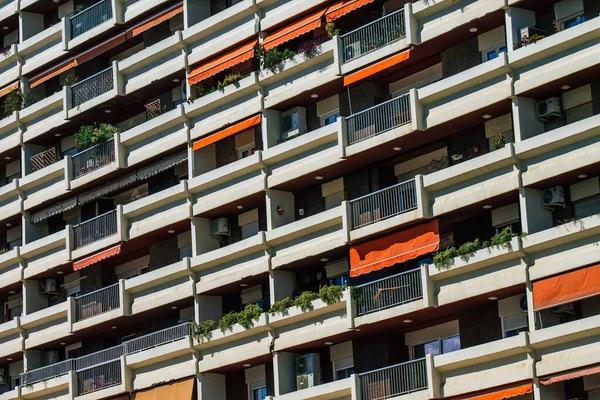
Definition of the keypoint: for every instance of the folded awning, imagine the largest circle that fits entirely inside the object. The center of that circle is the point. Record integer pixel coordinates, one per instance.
(500, 394)
(343, 7)
(567, 376)
(108, 189)
(96, 258)
(230, 59)
(566, 288)
(182, 390)
(163, 165)
(53, 210)
(395, 248)
(292, 31)
(232, 130)
(9, 89)
(38, 80)
(157, 19)
(376, 68)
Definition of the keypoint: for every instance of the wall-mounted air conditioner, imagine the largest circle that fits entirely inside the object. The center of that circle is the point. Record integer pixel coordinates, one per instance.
(548, 108)
(293, 122)
(308, 371)
(219, 227)
(529, 31)
(554, 196)
(48, 287)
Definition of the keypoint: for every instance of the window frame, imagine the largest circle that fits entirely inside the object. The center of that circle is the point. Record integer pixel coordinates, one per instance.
(439, 340)
(496, 50)
(335, 114)
(526, 326)
(579, 18)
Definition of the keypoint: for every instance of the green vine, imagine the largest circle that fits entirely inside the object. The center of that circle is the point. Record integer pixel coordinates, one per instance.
(331, 294)
(228, 321)
(304, 301)
(502, 238)
(249, 315)
(203, 330)
(281, 306)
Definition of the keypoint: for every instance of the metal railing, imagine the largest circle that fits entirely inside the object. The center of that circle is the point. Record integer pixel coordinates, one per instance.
(99, 377)
(90, 18)
(392, 381)
(388, 292)
(97, 302)
(101, 357)
(44, 159)
(50, 371)
(373, 36)
(92, 87)
(93, 158)
(384, 203)
(378, 119)
(95, 229)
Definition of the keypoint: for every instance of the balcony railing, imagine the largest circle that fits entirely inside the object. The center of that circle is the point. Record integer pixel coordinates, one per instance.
(99, 377)
(97, 302)
(92, 87)
(93, 158)
(95, 229)
(90, 18)
(112, 354)
(388, 292)
(44, 159)
(379, 119)
(394, 381)
(384, 203)
(373, 36)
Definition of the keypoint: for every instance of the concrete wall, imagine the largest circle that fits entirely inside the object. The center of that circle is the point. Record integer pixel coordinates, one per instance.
(164, 253)
(30, 24)
(284, 369)
(525, 123)
(280, 208)
(460, 57)
(479, 325)
(534, 217)
(516, 19)
(283, 284)
(33, 300)
(209, 307)
(211, 387)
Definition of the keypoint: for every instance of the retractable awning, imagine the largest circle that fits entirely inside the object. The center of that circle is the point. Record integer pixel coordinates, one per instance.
(395, 248)
(232, 130)
(566, 288)
(54, 210)
(343, 7)
(161, 166)
(230, 59)
(96, 258)
(376, 68)
(182, 390)
(156, 20)
(567, 376)
(500, 394)
(9, 89)
(292, 31)
(107, 189)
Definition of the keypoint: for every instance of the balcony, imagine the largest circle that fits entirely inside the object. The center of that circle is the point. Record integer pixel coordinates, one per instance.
(383, 204)
(373, 36)
(97, 302)
(90, 18)
(99, 377)
(396, 380)
(92, 87)
(93, 158)
(95, 229)
(44, 159)
(388, 292)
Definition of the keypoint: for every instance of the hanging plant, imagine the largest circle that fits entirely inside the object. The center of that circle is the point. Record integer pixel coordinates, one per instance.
(203, 330)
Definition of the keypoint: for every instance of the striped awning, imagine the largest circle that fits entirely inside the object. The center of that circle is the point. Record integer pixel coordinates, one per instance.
(108, 188)
(53, 210)
(165, 164)
(96, 258)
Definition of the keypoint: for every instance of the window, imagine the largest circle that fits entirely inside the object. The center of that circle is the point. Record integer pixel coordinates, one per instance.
(250, 230)
(330, 118)
(246, 151)
(343, 368)
(587, 206)
(494, 52)
(572, 21)
(438, 346)
(73, 350)
(580, 112)
(185, 252)
(258, 390)
(513, 324)
(341, 280)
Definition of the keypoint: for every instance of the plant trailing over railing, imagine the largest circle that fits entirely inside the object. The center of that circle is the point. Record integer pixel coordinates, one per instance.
(304, 301)
(203, 330)
(245, 318)
(272, 59)
(281, 306)
(227, 322)
(311, 48)
(229, 79)
(331, 294)
(525, 41)
(91, 135)
(444, 259)
(332, 30)
(13, 102)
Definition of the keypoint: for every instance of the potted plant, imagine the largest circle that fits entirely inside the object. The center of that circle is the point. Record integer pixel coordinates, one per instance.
(499, 142)
(92, 135)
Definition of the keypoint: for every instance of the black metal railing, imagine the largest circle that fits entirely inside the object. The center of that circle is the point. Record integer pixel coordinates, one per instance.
(95, 229)
(92, 87)
(91, 17)
(93, 158)
(393, 381)
(388, 292)
(97, 302)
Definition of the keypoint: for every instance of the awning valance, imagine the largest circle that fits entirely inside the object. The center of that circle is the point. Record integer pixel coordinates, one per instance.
(567, 376)
(9, 89)
(566, 288)
(54, 210)
(343, 7)
(376, 68)
(163, 165)
(156, 20)
(96, 258)
(395, 248)
(182, 390)
(107, 189)
(221, 63)
(232, 130)
(292, 31)
(500, 394)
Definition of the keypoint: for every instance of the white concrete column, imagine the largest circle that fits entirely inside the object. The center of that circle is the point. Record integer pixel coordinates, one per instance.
(423, 206)
(207, 307)
(284, 371)
(531, 318)
(534, 217)
(516, 19)
(280, 208)
(202, 241)
(416, 111)
(525, 124)
(211, 387)
(271, 127)
(282, 284)
(434, 379)
(428, 285)
(412, 25)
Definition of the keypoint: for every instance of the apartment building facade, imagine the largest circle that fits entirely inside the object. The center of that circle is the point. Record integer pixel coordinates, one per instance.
(300, 199)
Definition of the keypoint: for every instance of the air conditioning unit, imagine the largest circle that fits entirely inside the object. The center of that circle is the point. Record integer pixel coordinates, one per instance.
(554, 196)
(3, 376)
(568, 308)
(352, 50)
(293, 122)
(308, 371)
(447, 240)
(49, 287)
(50, 357)
(529, 31)
(523, 303)
(219, 227)
(548, 108)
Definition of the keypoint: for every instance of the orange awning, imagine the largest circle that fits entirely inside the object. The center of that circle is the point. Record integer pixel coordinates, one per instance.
(501, 394)
(377, 67)
(157, 20)
(567, 376)
(52, 73)
(566, 288)
(9, 89)
(232, 130)
(103, 255)
(343, 7)
(395, 248)
(182, 390)
(292, 31)
(221, 63)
